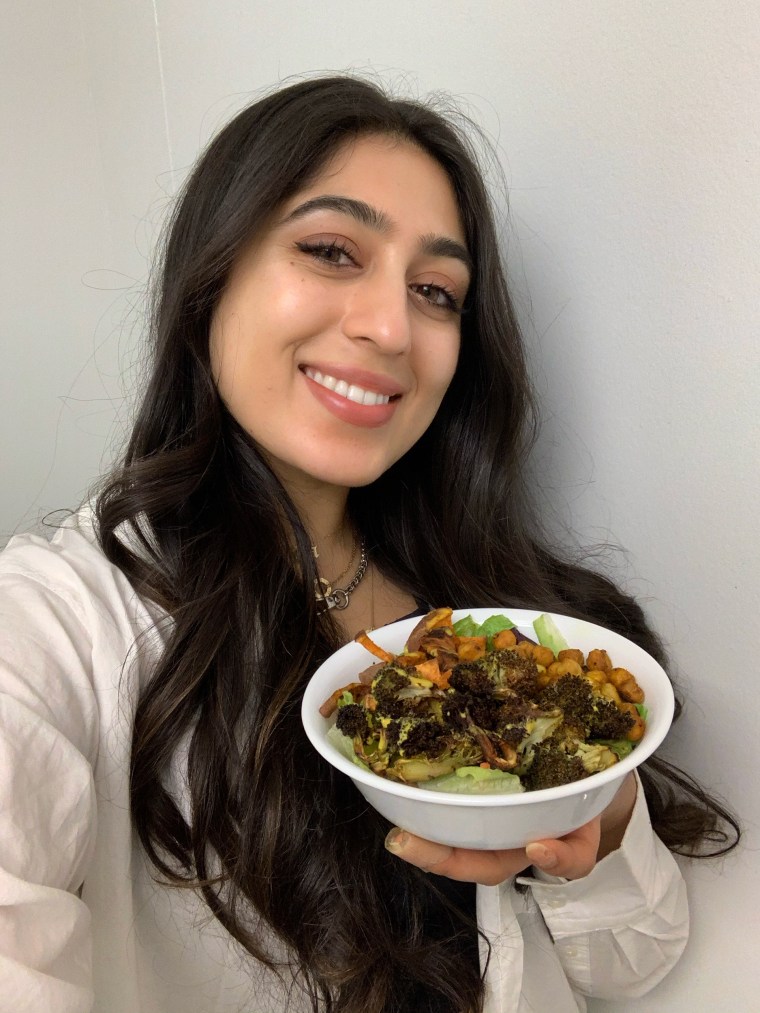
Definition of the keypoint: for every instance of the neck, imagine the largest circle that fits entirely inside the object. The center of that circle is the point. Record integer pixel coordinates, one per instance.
(333, 542)
(322, 509)
(325, 519)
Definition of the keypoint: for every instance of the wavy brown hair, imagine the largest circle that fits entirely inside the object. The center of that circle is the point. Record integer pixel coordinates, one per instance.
(283, 849)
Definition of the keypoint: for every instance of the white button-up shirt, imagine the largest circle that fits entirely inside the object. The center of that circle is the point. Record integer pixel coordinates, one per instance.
(83, 926)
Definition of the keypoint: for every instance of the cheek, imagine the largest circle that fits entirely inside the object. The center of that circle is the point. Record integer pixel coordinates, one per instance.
(223, 349)
(237, 358)
(443, 365)
(440, 366)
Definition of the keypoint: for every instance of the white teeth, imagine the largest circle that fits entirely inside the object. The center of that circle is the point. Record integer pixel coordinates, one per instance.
(351, 392)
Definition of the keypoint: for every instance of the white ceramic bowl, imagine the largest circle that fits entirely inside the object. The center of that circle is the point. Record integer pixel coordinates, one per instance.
(492, 821)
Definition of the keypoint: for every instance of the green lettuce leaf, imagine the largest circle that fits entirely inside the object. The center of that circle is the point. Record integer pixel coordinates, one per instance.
(345, 746)
(548, 634)
(494, 625)
(476, 781)
(466, 627)
(620, 747)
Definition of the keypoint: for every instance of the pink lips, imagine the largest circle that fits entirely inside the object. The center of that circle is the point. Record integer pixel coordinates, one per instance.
(368, 416)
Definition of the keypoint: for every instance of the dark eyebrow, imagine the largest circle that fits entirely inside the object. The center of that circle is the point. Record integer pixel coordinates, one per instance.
(358, 209)
(432, 245)
(442, 246)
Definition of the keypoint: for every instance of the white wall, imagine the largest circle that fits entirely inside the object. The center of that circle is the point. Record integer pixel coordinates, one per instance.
(628, 133)
(55, 231)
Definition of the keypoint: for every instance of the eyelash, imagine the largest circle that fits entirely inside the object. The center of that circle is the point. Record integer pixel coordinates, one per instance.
(451, 303)
(318, 250)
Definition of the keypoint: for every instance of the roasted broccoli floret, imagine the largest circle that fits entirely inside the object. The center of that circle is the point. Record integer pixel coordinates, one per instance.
(574, 696)
(609, 722)
(512, 670)
(352, 720)
(516, 711)
(552, 765)
(409, 736)
(454, 709)
(385, 687)
(470, 677)
(486, 712)
(513, 735)
(588, 713)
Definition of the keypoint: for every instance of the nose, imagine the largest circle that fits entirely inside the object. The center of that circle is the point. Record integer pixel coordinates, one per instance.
(377, 309)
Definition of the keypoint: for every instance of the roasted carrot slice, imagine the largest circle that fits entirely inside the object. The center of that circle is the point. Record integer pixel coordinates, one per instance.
(369, 674)
(373, 648)
(357, 689)
(437, 618)
(471, 648)
(433, 620)
(411, 659)
(431, 670)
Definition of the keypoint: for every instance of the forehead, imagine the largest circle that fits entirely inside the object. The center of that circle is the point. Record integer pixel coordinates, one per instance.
(394, 176)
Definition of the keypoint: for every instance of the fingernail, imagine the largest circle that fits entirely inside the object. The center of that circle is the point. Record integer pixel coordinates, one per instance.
(396, 840)
(541, 856)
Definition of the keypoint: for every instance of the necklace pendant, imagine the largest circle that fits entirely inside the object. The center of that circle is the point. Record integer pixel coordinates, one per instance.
(338, 599)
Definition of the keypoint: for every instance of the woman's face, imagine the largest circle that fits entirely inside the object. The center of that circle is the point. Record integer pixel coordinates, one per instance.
(338, 332)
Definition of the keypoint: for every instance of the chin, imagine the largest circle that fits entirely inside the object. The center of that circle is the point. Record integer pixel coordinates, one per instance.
(350, 478)
(348, 473)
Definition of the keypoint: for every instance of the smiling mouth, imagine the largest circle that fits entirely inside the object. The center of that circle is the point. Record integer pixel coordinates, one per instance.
(350, 391)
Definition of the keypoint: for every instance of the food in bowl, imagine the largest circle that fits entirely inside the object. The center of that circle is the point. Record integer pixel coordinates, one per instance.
(478, 819)
(482, 708)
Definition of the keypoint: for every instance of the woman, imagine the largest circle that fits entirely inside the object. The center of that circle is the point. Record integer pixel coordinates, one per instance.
(338, 401)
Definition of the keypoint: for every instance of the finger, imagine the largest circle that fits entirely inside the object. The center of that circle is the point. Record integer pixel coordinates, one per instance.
(572, 856)
(486, 867)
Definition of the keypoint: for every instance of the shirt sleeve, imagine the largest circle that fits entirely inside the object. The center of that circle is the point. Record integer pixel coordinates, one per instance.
(619, 930)
(48, 742)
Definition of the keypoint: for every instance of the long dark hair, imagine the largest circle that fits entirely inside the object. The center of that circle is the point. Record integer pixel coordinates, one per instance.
(283, 850)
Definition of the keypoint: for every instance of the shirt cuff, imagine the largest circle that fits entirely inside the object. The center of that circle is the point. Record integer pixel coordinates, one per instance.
(624, 883)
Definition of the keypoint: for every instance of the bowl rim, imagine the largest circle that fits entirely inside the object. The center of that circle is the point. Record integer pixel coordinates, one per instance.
(394, 636)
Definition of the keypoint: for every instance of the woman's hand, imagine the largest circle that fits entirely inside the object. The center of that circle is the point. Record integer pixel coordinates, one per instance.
(572, 856)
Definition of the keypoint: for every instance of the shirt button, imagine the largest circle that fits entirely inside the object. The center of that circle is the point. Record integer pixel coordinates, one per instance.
(570, 951)
(556, 902)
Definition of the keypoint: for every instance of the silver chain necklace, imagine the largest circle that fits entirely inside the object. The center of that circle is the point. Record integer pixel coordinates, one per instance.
(337, 597)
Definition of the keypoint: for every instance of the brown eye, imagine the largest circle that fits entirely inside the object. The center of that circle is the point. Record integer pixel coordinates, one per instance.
(334, 254)
(437, 296)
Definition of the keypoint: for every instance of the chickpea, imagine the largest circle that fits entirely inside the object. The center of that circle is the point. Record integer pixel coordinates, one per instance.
(600, 660)
(535, 652)
(626, 685)
(638, 728)
(543, 677)
(506, 638)
(561, 668)
(610, 693)
(543, 655)
(596, 678)
(571, 654)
